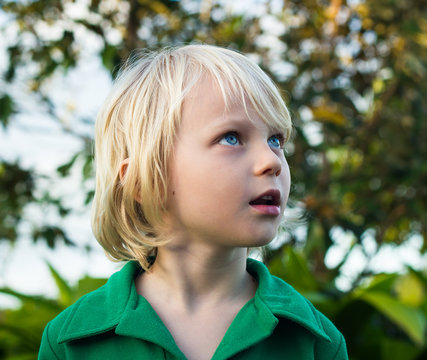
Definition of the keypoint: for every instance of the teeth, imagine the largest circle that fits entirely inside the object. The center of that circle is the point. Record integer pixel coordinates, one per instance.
(267, 197)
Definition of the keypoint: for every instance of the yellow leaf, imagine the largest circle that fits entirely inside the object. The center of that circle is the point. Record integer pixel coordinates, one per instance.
(421, 39)
(329, 114)
(410, 290)
(378, 86)
(362, 9)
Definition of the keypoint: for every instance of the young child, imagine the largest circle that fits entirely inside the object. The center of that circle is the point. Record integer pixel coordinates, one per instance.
(190, 173)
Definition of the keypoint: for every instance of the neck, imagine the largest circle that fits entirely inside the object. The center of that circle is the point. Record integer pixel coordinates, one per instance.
(197, 276)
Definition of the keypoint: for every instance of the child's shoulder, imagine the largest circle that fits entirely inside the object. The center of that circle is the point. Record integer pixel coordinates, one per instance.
(288, 304)
(96, 311)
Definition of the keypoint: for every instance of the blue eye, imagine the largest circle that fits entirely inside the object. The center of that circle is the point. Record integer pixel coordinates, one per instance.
(230, 138)
(275, 141)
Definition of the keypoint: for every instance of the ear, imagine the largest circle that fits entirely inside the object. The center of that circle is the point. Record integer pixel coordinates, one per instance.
(122, 172)
(123, 168)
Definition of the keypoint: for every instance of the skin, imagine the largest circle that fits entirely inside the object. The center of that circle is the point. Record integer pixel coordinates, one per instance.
(221, 162)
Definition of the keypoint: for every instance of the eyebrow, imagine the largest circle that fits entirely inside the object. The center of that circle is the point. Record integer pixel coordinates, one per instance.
(230, 122)
(238, 122)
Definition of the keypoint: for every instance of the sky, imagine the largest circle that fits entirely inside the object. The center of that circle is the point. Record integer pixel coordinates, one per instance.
(39, 142)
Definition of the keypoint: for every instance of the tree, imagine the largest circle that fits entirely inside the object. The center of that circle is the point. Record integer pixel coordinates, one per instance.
(354, 76)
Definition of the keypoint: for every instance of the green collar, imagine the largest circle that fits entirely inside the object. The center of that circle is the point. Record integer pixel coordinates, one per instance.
(117, 306)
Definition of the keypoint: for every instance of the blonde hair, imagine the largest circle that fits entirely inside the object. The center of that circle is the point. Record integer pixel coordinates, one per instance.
(139, 120)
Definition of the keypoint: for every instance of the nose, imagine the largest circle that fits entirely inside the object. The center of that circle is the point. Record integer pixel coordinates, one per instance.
(268, 162)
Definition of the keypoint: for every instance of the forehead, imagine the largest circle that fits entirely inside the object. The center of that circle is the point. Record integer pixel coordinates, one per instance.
(205, 96)
(211, 103)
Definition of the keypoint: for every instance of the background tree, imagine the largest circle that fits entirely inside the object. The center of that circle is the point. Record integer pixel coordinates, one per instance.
(353, 74)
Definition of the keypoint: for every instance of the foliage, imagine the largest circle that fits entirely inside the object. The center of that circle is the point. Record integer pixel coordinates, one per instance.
(385, 317)
(353, 73)
(17, 188)
(21, 331)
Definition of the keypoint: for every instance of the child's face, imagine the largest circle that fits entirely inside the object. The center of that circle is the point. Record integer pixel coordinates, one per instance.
(220, 165)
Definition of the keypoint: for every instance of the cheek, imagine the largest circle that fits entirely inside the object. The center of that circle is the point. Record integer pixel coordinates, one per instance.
(188, 182)
(286, 179)
(201, 185)
(187, 175)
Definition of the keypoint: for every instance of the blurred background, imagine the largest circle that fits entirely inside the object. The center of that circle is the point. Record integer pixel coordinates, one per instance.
(354, 74)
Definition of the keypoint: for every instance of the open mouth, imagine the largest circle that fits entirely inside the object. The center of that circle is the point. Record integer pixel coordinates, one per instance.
(268, 203)
(269, 198)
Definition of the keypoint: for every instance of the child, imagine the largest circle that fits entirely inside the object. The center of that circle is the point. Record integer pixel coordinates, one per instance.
(190, 173)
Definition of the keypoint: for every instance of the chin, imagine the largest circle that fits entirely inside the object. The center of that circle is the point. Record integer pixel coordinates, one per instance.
(260, 241)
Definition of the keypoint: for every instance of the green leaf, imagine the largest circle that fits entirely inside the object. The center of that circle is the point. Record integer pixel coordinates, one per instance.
(7, 108)
(88, 168)
(393, 349)
(36, 299)
(88, 284)
(301, 274)
(89, 197)
(65, 291)
(381, 282)
(29, 356)
(64, 169)
(109, 56)
(413, 66)
(51, 234)
(27, 337)
(411, 320)
(293, 267)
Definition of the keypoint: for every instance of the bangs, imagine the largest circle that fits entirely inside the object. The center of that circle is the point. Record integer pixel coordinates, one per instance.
(239, 80)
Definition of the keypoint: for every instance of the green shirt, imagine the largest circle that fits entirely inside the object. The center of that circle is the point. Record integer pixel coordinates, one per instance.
(115, 322)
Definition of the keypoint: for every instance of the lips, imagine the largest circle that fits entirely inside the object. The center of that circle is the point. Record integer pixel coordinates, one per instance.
(267, 203)
(270, 197)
